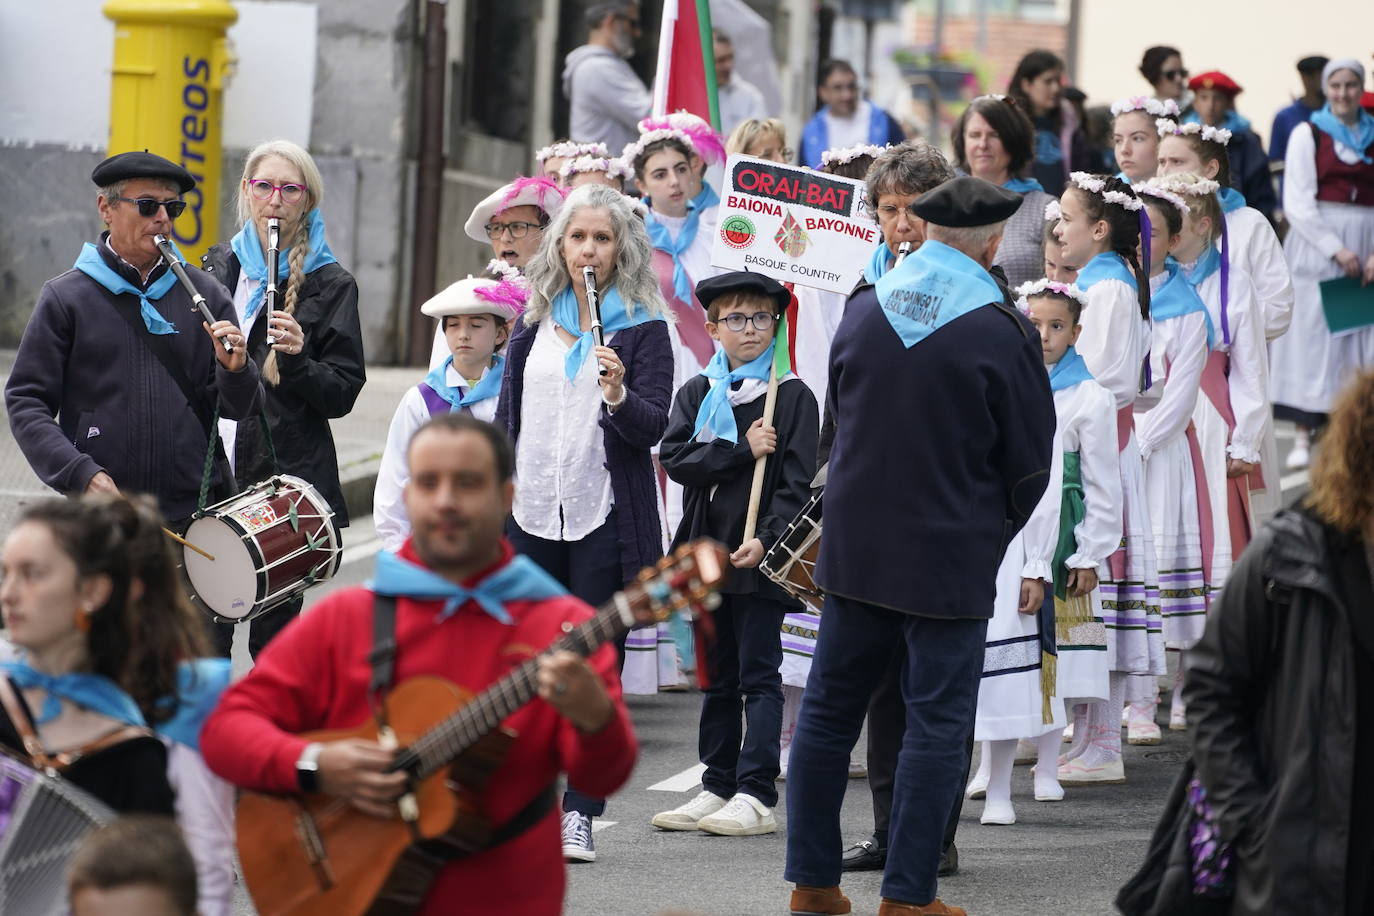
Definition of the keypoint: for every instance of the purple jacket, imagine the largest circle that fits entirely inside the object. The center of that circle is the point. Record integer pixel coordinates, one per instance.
(636, 426)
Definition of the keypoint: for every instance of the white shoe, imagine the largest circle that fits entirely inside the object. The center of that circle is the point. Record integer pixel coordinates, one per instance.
(685, 817)
(782, 773)
(1068, 733)
(1143, 733)
(857, 769)
(1301, 453)
(998, 813)
(1048, 791)
(743, 815)
(978, 786)
(1078, 773)
(1026, 752)
(1178, 720)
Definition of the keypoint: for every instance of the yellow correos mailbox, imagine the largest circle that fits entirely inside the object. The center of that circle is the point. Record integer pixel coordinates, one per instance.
(171, 61)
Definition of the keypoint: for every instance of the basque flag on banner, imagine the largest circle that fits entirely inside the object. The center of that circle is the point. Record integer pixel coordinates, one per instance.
(686, 77)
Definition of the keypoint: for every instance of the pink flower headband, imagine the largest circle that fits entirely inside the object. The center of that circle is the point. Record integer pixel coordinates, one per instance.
(635, 149)
(616, 168)
(704, 140)
(1148, 104)
(1168, 128)
(542, 188)
(568, 150)
(1042, 286)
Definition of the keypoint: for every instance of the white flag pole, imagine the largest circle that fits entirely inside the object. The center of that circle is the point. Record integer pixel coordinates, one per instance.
(665, 57)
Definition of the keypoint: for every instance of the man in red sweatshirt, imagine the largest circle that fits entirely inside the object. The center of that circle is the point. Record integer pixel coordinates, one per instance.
(468, 610)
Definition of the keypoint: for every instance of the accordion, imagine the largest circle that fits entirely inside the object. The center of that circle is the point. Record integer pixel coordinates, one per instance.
(43, 818)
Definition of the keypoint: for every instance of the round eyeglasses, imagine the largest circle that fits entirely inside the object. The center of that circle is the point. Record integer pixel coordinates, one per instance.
(735, 321)
(290, 193)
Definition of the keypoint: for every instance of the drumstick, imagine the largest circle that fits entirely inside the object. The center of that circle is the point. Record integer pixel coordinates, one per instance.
(185, 543)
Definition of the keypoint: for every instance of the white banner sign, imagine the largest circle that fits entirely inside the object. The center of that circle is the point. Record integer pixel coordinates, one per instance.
(793, 224)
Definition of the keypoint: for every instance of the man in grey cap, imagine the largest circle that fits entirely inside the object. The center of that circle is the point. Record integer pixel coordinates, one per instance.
(945, 423)
(118, 377)
(608, 98)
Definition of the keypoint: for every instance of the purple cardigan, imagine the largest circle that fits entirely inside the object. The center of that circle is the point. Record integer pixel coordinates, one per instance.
(636, 426)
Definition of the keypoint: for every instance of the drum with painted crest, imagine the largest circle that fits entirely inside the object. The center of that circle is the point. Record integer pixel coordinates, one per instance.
(791, 562)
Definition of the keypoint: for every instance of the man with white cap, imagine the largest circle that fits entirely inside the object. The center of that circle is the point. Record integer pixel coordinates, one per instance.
(512, 218)
(475, 318)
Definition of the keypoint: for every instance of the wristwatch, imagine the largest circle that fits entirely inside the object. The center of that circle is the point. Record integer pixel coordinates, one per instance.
(308, 768)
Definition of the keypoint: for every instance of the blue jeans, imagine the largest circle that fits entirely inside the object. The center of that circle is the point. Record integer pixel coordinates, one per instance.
(940, 687)
(590, 569)
(742, 665)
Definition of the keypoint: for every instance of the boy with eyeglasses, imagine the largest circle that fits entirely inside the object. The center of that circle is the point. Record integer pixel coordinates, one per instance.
(715, 435)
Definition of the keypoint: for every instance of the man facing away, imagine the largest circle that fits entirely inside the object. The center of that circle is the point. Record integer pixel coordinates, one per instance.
(606, 96)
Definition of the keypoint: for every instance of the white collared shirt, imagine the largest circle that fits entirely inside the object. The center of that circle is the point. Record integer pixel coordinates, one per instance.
(243, 292)
(563, 489)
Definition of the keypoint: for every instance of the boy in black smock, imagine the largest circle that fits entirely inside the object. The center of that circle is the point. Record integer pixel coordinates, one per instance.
(715, 434)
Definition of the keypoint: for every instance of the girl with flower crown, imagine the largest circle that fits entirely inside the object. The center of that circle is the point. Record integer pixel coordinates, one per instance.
(1328, 200)
(1088, 509)
(1135, 141)
(1099, 227)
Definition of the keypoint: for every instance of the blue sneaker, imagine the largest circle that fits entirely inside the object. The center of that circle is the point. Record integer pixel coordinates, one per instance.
(577, 838)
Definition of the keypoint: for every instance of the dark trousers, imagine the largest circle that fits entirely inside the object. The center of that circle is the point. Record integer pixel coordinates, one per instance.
(886, 726)
(939, 685)
(590, 569)
(261, 630)
(742, 664)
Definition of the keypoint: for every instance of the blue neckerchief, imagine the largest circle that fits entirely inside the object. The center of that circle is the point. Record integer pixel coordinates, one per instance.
(707, 198)
(90, 263)
(1106, 266)
(1357, 138)
(613, 318)
(1022, 185)
(519, 580)
(715, 410)
(488, 386)
(880, 263)
(1069, 371)
(931, 288)
(200, 682)
(253, 260)
(1231, 200)
(95, 692)
(1235, 122)
(1207, 264)
(1177, 297)
(663, 241)
(1122, 176)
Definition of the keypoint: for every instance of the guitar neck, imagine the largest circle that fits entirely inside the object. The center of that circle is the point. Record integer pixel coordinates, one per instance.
(451, 738)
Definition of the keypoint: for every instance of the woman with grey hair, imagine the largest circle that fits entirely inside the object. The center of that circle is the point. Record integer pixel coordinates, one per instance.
(896, 179)
(586, 502)
(309, 347)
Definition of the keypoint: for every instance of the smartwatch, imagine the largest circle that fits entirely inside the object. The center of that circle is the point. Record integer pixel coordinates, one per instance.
(308, 768)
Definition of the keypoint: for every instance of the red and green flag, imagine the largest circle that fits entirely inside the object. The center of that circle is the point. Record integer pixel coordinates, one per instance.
(686, 77)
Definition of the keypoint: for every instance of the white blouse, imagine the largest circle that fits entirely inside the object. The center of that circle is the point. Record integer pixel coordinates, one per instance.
(229, 429)
(1246, 377)
(1256, 249)
(1087, 425)
(1178, 353)
(1114, 339)
(1300, 191)
(562, 486)
(388, 497)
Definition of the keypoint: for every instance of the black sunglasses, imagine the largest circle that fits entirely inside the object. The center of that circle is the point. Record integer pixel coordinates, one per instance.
(148, 206)
(1174, 74)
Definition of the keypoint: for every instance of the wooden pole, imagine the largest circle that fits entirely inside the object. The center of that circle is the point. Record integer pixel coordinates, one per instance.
(770, 402)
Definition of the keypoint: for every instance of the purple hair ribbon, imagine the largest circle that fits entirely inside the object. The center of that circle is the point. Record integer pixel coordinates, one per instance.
(1225, 282)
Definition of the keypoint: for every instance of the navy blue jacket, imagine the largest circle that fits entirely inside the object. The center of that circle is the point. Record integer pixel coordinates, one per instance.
(941, 452)
(629, 433)
(87, 395)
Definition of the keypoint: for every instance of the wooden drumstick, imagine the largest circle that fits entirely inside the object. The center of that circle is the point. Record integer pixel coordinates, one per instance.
(185, 543)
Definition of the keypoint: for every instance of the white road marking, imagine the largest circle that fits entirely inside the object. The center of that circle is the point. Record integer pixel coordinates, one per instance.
(599, 825)
(355, 553)
(685, 781)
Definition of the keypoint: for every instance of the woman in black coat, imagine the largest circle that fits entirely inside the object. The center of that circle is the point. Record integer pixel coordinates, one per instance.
(1280, 691)
(309, 350)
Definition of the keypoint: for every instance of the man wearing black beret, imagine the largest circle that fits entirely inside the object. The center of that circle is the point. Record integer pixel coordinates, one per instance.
(942, 449)
(118, 377)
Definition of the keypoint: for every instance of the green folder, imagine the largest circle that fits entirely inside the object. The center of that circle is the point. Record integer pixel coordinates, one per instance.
(1347, 304)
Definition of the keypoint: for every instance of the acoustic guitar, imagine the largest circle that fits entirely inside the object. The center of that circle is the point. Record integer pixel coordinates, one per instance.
(317, 855)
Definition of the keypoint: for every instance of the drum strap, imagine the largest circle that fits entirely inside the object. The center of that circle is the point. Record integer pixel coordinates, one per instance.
(38, 756)
(382, 658)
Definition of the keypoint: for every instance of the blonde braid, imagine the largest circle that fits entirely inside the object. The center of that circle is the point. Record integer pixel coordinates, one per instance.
(300, 247)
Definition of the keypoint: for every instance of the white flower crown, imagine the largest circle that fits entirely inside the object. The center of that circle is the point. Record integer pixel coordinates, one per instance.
(847, 154)
(1086, 181)
(1189, 185)
(570, 150)
(1148, 104)
(616, 168)
(1036, 287)
(1156, 187)
(1168, 128)
(1122, 199)
(1053, 213)
(636, 147)
(503, 270)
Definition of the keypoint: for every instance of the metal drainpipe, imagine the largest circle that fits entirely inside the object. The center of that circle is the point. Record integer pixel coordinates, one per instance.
(429, 182)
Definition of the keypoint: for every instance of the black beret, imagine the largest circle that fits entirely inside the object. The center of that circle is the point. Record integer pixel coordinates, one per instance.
(742, 281)
(1314, 64)
(124, 166)
(966, 202)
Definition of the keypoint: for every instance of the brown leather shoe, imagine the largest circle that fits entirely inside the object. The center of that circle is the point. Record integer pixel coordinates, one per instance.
(818, 901)
(891, 907)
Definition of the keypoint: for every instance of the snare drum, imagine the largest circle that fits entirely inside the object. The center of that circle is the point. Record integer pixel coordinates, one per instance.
(270, 543)
(791, 562)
